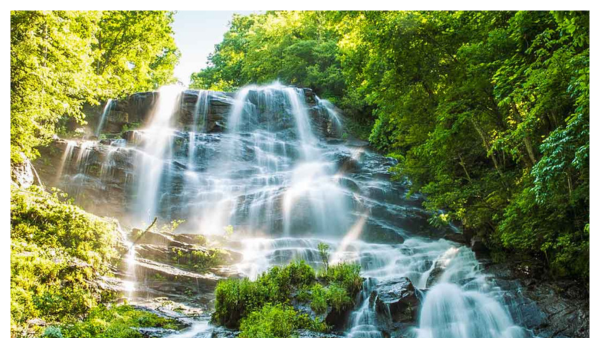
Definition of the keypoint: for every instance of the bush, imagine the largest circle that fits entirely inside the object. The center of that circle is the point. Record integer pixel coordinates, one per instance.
(238, 299)
(347, 275)
(235, 299)
(57, 251)
(338, 298)
(277, 321)
(318, 299)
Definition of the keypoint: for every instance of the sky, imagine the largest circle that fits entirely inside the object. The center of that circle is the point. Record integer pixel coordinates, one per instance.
(196, 34)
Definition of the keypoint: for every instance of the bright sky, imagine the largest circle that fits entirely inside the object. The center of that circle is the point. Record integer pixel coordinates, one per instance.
(196, 34)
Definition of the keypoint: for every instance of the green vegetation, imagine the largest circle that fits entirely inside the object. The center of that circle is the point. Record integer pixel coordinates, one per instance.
(115, 322)
(277, 321)
(261, 303)
(63, 59)
(197, 260)
(58, 251)
(487, 113)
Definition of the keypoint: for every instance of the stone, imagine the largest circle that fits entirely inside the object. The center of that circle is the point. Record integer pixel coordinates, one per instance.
(23, 174)
(396, 299)
(477, 244)
(455, 237)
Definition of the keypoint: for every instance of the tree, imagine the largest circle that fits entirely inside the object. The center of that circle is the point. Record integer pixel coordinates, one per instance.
(63, 59)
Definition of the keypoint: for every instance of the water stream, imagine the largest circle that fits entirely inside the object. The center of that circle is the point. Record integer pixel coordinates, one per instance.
(284, 187)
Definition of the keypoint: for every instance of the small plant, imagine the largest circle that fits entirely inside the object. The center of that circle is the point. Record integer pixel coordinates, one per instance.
(229, 231)
(171, 227)
(52, 332)
(324, 254)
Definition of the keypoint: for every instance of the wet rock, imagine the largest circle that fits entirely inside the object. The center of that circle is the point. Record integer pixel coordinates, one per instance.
(312, 334)
(477, 244)
(155, 332)
(435, 274)
(550, 308)
(354, 142)
(396, 299)
(223, 332)
(455, 237)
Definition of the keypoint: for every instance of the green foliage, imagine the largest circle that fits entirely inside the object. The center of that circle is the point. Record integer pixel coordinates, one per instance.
(115, 322)
(324, 254)
(63, 59)
(57, 252)
(317, 299)
(238, 299)
(277, 321)
(486, 112)
(346, 275)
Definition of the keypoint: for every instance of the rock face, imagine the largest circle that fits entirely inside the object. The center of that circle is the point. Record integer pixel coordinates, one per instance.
(103, 176)
(549, 308)
(185, 271)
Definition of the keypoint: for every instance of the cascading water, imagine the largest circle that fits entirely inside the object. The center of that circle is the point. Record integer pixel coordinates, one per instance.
(200, 110)
(285, 188)
(157, 139)
(107, 108)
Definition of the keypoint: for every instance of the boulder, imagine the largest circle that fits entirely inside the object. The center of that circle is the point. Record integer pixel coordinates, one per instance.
(397, 300)
(435, 274)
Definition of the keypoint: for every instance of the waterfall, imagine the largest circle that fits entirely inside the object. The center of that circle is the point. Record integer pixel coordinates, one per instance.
(277, 171)
(66, 158)
(105, 113)
(451, 312)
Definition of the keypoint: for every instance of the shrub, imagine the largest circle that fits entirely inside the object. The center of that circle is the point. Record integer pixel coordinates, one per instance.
(318, 300)
(347, 275)
(235, 299)
(338, 298)
(57, 251)
(277, 321)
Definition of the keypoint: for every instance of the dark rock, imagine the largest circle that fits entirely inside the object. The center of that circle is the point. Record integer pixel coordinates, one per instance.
(354, 142)
(435, 274)
(155, 332)
(477, 244)
(223, 332)
(396, 299)
(455, 237)
(312, 334)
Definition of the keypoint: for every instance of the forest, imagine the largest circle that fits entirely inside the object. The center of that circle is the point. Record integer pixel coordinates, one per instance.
(484, 116)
